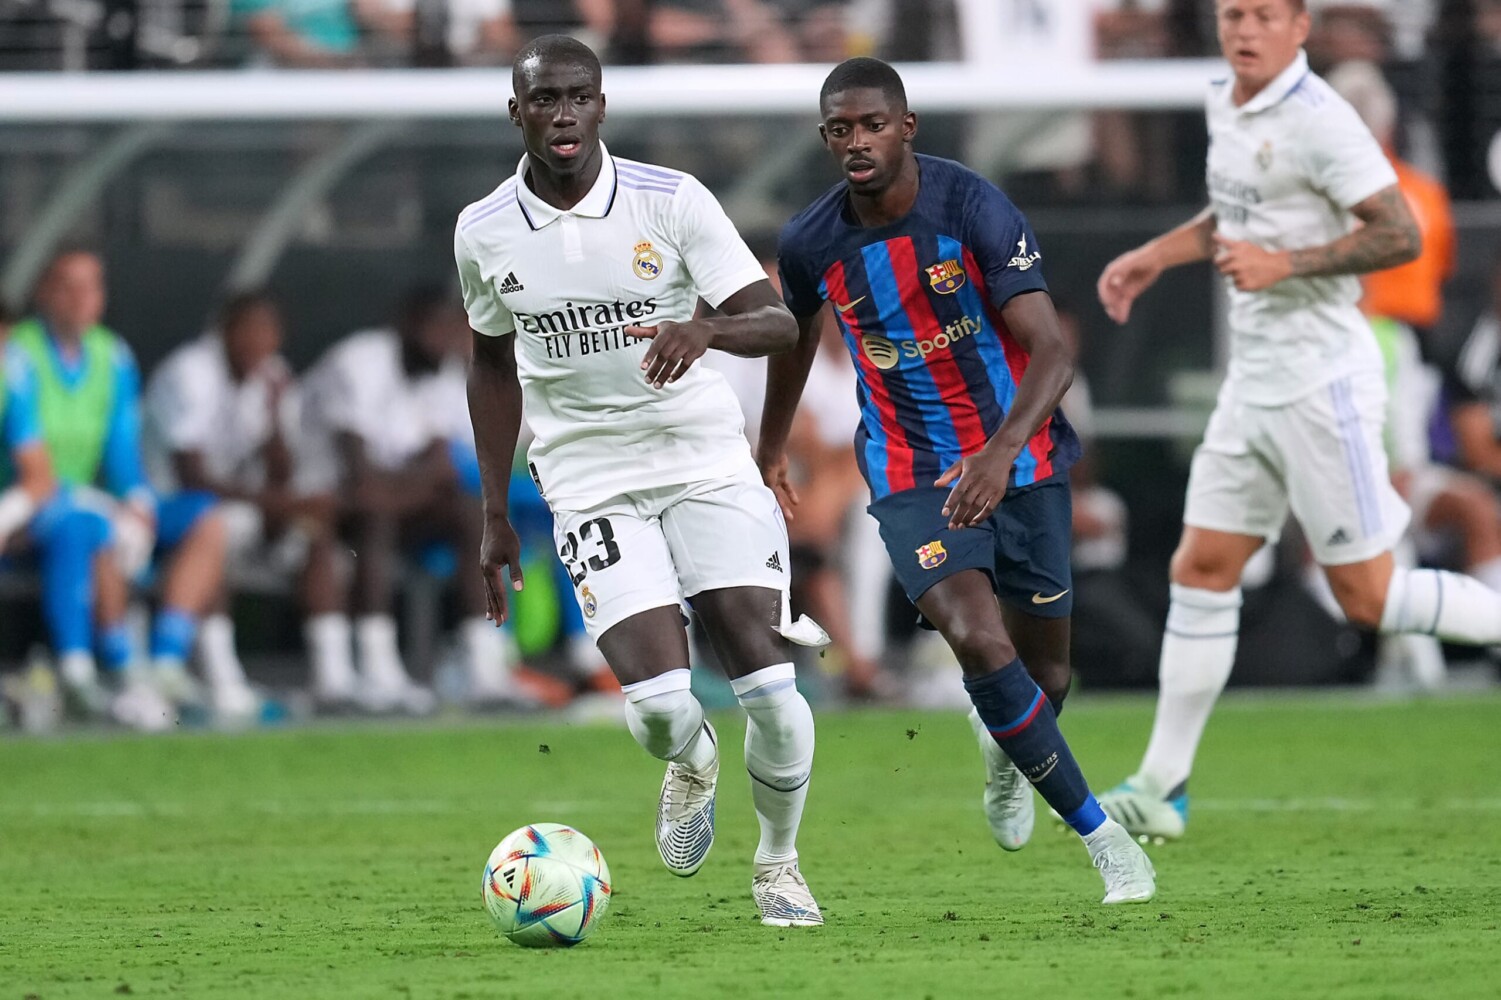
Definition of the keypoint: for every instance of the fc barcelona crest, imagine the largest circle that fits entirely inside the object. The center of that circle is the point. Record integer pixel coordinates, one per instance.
(931, 555)
(946, 278)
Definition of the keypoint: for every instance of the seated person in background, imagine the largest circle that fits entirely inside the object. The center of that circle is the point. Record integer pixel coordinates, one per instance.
(1111, 625)
(314, 34)
(733, 31)
(221, 411)
(454, 32)
(1473, 387)
(374, 438)
(88, 391)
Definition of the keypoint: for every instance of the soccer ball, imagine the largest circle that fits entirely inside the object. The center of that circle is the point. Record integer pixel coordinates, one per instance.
(546, 886)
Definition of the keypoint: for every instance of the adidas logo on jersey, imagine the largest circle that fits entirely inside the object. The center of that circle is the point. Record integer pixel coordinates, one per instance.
(775, 562)
(1340, 537)
(511, 284)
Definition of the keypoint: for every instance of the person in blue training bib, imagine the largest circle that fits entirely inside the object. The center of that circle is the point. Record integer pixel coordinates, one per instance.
(936, 281)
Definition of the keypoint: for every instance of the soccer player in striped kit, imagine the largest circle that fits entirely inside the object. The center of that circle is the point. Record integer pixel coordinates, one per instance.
(936, 281)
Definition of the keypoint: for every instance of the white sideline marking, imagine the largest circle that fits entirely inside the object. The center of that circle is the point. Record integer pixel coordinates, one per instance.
(279, 807)
(551, 810)
(1344, 805)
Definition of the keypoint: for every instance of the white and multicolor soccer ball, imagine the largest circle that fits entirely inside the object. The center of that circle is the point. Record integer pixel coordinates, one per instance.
(546, 886)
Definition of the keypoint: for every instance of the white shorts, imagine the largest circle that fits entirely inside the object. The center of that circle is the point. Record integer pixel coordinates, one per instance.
(1321, 456)
(656, 548)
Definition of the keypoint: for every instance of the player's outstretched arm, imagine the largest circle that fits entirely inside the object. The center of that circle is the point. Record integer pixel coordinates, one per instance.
(786, 376)
(1133, 272)
(980, 480)
(495, 411)
(753, 323)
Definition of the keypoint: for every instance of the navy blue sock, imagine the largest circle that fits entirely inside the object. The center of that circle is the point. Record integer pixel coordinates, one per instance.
(1022, 721)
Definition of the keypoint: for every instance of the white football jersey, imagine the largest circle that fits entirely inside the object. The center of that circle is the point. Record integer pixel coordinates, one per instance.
(640, 248)
(360, 387)
(1283, 171)
(193, 403)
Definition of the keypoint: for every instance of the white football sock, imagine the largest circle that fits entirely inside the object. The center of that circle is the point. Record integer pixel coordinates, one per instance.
(668, 721)
(485, 652)
(1198, 651)
(216, 651)
(380, 657)
(1488, 573)
(328, 638)
(1453, 607)
(78, 669)
(778, 755)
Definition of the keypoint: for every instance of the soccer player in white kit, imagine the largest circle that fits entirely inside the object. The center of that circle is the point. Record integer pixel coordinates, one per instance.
(581, 275)
(1301, 200)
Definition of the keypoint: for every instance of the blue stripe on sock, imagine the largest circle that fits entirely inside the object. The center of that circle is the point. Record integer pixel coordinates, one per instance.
(115, 647)
(1087, 818)
(172, 633)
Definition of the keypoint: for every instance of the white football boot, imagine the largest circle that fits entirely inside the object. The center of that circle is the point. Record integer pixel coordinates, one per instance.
(1127, 871)
(141, 706)
(1009, 807)
(784, 898)
(685, 813)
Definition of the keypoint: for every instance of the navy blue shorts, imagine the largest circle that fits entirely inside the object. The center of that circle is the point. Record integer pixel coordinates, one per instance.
(1024, 546)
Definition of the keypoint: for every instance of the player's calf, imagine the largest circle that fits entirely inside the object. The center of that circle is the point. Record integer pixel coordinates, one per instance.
(668, 722)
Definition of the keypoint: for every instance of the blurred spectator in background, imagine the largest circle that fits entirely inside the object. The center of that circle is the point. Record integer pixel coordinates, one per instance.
(1474, 390)
(1412, 294)
(1111, 626)
(1345, 31)
(453, 32)
(734, 31)
(221, 412)
(374, 439)
(89, 398)
(316, 34)
(26, 481)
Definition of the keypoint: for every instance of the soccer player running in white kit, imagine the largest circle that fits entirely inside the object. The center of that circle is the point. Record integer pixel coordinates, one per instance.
(581, 275)
(1301, 200)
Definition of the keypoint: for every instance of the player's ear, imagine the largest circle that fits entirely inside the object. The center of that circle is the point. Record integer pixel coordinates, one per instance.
(514, 111)
(601, 107)
(824, 135)
(909, 126)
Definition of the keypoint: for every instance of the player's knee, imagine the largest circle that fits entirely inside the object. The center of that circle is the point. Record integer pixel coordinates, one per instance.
(980, 648)
(209, 532)
(1055, 678)
(1202, 568)
(1362, 604)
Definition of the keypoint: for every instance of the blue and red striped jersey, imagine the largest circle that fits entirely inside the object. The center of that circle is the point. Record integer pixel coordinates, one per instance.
(919, 304)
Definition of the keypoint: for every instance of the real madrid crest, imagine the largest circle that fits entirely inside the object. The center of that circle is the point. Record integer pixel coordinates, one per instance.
(589, 601)
(1264, 155)
(647, 263)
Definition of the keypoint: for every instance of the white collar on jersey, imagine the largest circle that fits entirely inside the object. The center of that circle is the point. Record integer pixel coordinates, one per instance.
(1276, 92)
(594, 205)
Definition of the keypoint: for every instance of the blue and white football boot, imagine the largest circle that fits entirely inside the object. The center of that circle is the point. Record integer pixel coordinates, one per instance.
(784, 899)
(685, 814)
(1145, 809)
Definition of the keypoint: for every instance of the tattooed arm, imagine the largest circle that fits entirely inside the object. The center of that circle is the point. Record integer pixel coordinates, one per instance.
(1388, 236)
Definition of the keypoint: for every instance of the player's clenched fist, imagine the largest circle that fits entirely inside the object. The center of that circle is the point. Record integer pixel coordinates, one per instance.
(1124, 279)
(499, 548)
(674, 348)
(1249, 266)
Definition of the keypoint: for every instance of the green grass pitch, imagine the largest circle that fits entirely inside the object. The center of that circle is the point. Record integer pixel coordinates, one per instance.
(1337, 847)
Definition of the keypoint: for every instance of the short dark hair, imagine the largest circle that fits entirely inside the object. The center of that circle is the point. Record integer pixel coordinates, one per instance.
(864, 72)
(234, 308)
(556, 49)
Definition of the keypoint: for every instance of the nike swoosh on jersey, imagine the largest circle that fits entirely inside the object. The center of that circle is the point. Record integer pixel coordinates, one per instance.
(1039, 599)
(847, 308)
